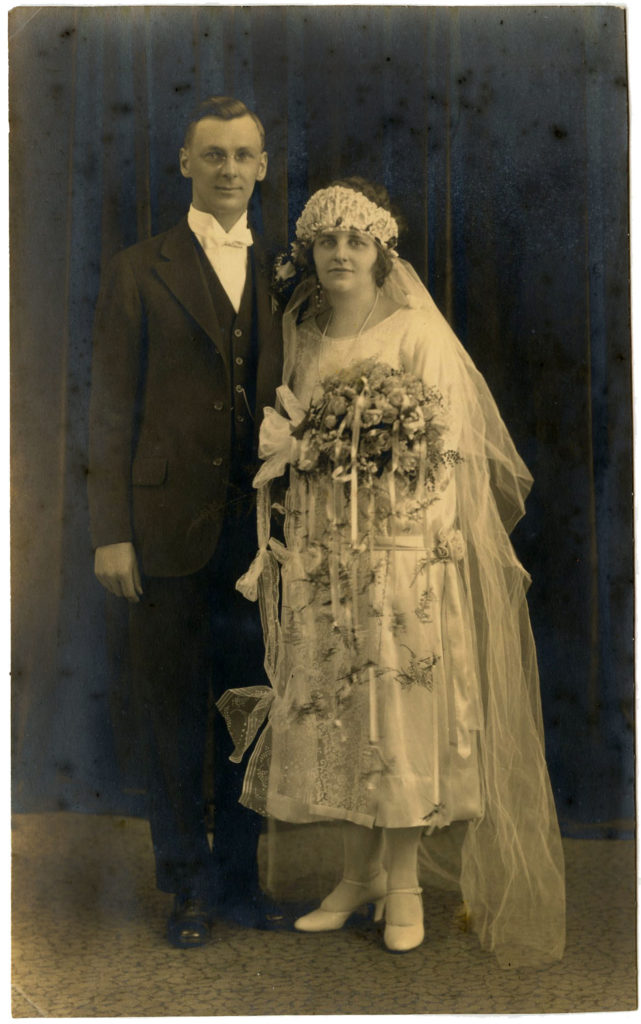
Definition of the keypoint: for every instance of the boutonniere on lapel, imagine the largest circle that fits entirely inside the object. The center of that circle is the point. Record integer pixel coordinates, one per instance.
(285, 277)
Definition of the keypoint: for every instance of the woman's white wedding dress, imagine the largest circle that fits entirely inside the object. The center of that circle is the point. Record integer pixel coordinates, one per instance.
(404, 687)
(411, 613)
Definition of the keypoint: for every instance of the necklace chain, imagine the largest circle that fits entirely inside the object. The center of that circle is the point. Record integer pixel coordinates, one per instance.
(363, 325)
(360, 331)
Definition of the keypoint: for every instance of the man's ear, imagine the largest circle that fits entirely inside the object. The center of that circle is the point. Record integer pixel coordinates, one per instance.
(262, 168)
(184, 163)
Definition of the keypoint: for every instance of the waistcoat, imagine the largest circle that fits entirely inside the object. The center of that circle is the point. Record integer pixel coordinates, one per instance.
(240, 338)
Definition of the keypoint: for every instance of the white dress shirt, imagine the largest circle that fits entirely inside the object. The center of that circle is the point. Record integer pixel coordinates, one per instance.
(225, 250)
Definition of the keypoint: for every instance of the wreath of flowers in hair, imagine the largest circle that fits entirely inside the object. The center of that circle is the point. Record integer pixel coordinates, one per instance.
(344, 208)
(333, 207)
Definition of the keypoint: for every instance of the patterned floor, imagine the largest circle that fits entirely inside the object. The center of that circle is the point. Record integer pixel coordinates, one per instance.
(88, 942)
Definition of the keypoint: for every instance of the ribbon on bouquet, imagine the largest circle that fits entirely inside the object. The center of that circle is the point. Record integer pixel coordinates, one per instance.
(244, 709)
(261, 582)
(359, 405)
(248, 582)
(276, 445)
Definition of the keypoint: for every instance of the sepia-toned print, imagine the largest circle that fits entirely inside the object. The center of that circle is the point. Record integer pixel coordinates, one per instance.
(321, 463)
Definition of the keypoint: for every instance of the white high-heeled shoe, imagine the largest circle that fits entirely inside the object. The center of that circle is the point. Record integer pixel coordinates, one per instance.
(321, 920)
(400, 938)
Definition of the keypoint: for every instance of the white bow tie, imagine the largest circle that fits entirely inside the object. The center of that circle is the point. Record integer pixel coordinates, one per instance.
(215, 239)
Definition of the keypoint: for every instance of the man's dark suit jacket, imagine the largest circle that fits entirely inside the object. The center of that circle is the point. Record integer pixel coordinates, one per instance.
(161, 433)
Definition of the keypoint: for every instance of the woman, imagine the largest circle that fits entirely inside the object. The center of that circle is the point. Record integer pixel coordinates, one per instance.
(405, 690)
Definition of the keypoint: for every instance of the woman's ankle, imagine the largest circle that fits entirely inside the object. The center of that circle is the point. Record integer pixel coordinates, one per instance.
(352, 892)
(365, 873)
(401, 881)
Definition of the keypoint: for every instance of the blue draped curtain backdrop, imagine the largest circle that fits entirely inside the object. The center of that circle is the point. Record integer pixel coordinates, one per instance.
(501, 132)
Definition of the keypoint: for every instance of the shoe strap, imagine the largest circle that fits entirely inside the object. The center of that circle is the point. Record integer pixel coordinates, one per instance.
(416, 892)
(363, 885)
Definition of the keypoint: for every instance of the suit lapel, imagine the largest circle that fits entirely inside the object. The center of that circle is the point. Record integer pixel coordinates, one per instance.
(180, 268)
(264, 315)
(268, 328)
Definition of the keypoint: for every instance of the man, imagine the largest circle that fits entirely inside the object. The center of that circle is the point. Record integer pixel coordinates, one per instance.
(187, 351)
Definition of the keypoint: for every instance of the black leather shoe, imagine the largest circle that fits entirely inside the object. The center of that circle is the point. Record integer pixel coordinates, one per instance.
(189, 923)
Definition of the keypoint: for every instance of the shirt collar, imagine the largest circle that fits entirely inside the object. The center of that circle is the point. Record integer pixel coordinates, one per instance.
(205, 226)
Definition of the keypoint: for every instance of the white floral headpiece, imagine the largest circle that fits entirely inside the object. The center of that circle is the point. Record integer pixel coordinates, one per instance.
(340, 207)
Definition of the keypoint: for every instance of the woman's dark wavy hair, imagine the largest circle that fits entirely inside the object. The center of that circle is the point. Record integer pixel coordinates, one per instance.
(376, 194)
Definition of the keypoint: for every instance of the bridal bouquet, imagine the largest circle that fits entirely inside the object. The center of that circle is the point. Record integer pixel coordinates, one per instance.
(370, 416)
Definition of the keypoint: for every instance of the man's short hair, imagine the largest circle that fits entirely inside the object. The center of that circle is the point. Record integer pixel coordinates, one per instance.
(225, 108)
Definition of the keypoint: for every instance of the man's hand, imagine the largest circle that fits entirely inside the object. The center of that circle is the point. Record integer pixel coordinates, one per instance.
(116, 567)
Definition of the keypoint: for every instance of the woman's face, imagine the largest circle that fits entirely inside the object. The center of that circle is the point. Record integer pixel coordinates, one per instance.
(345, 260)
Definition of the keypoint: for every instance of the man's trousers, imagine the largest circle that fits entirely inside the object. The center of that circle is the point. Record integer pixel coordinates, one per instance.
(191, 638)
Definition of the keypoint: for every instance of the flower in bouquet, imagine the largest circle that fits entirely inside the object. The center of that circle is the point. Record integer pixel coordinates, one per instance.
(373, 418)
